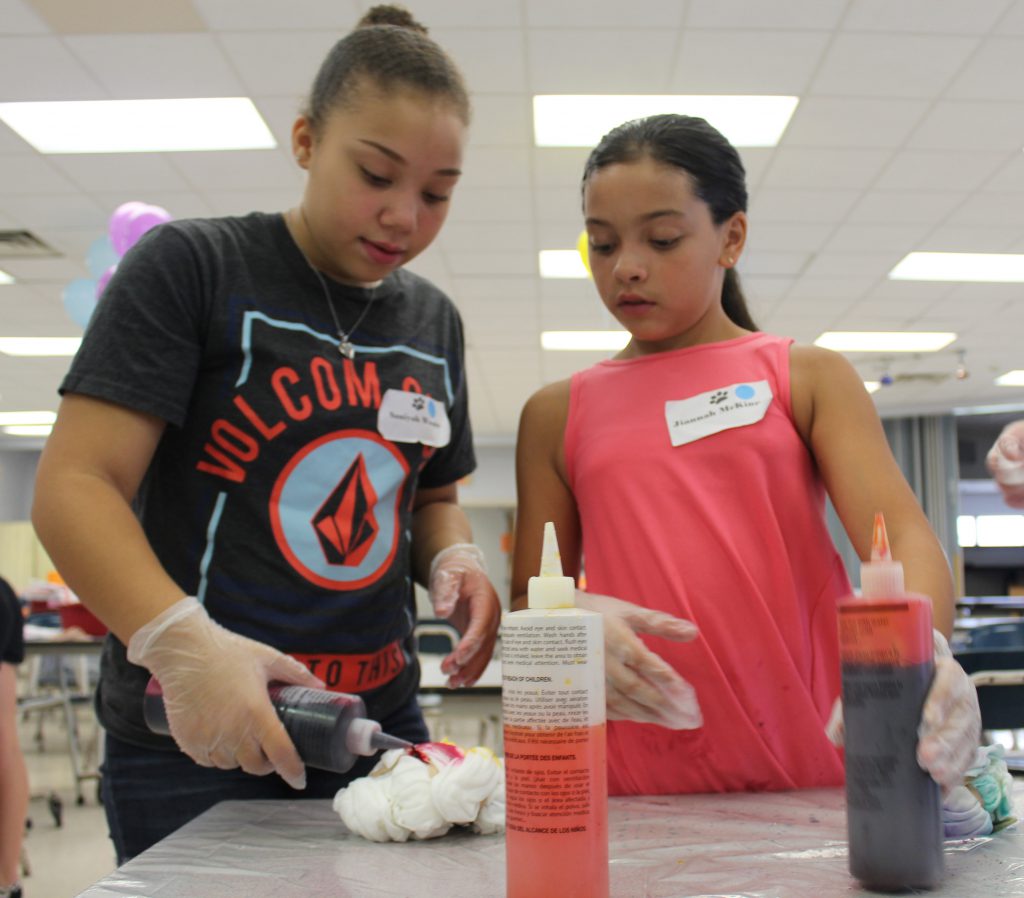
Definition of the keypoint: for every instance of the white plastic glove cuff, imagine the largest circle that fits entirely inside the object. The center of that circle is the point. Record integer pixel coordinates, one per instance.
(469, 549)
(148, 633)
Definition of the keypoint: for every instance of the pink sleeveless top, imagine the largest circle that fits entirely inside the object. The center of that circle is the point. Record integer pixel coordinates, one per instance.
(726, 530)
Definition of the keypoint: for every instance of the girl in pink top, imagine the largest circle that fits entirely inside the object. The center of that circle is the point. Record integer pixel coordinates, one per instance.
(690, 472)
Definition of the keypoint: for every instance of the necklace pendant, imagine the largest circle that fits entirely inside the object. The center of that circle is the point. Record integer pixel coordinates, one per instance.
(347, 349)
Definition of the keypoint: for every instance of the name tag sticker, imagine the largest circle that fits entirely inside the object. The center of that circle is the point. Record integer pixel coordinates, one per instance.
(406, 417)
(706, 413)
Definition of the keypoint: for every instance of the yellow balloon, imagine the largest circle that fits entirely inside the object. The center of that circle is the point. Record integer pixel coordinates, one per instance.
(583, 248)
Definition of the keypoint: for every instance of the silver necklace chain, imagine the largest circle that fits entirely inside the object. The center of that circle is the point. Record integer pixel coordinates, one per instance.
(345, 346)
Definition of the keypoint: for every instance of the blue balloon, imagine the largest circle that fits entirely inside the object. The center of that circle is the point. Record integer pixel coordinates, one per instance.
(100, 256)
(79, 300)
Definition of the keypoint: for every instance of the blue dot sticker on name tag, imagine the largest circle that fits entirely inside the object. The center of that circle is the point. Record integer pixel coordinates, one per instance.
(737, 405)
(408, 417)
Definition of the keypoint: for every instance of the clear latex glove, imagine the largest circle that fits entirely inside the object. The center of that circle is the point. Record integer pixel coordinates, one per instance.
(641, 685)
(950, 727)
(1005, 461)
(215, 691)
(461, 593)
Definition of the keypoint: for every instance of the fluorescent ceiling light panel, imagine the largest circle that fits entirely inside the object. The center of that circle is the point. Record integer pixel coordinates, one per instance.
(1013, 378)
(599, 341)
(1006, 268)
(1000, 530)
(561, 263)
(581, 120)
(9, 419)
(140, 126)
(40, 346)
(885, 341)
(6, 278)
(28, 430)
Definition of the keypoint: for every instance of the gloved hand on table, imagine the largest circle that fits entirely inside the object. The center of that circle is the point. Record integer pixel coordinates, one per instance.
(461, 593)
(215, 691)
(639, 684)
(1005, 462)
(950, 727)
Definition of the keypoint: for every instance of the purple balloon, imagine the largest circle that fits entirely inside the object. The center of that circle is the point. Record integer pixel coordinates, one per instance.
(119, 223)
(145, 219)
(103, 279)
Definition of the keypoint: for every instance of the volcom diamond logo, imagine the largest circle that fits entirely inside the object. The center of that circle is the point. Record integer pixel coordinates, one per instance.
(345, 524)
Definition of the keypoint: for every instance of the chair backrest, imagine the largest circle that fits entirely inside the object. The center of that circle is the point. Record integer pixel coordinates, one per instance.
(435, 637)
(1002, 707)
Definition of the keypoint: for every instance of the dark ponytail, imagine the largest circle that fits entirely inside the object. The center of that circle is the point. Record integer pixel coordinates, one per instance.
(389, 50)
(714, 167)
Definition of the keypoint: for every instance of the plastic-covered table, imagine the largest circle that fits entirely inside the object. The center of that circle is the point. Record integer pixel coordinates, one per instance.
(770, 845)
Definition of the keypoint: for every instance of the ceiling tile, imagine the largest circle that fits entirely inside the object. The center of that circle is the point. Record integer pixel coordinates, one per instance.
(994, 72)
(923, 16)
(18, 17)
(75, 210)
(487, 237)
(31, 174)
(191, 65)
(585, 14)
(56, 73)
(501, 120)
(935, 170)
(492, 166)
(235, 170)
(882, 65)
(294, 58)
(491, 60)
(600, 61)
(812, 15)
(852, 122)
(1010, 177)
(826, 168)
(112, 16)
(989, 210)
(904, 207)
(761, 62)
(490, 204)
(246, 15)
(120, 171)
(801, 205)
(977, 125)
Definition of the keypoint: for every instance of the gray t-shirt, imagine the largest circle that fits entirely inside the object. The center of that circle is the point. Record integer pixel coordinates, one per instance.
(272, 496)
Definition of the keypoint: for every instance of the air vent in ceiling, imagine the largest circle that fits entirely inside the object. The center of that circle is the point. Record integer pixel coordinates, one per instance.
(23, 245)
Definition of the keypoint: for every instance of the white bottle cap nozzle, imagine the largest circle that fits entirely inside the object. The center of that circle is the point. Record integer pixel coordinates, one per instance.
(882, 576)
(359, 738)
(551, 589)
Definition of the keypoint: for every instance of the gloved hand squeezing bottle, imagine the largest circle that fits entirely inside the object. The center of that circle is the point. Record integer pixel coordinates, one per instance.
(215, 691)
(640, 685)
(950, 727)
(461, 593)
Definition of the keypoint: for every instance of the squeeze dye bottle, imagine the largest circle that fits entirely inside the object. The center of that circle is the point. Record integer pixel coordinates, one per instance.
(330, 730)
(893, 807)
(553, 706)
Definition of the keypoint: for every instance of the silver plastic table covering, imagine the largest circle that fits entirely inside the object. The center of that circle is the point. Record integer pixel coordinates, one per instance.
(775, 845)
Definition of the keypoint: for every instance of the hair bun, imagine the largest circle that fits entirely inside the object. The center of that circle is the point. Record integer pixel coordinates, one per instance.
(388, 14)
